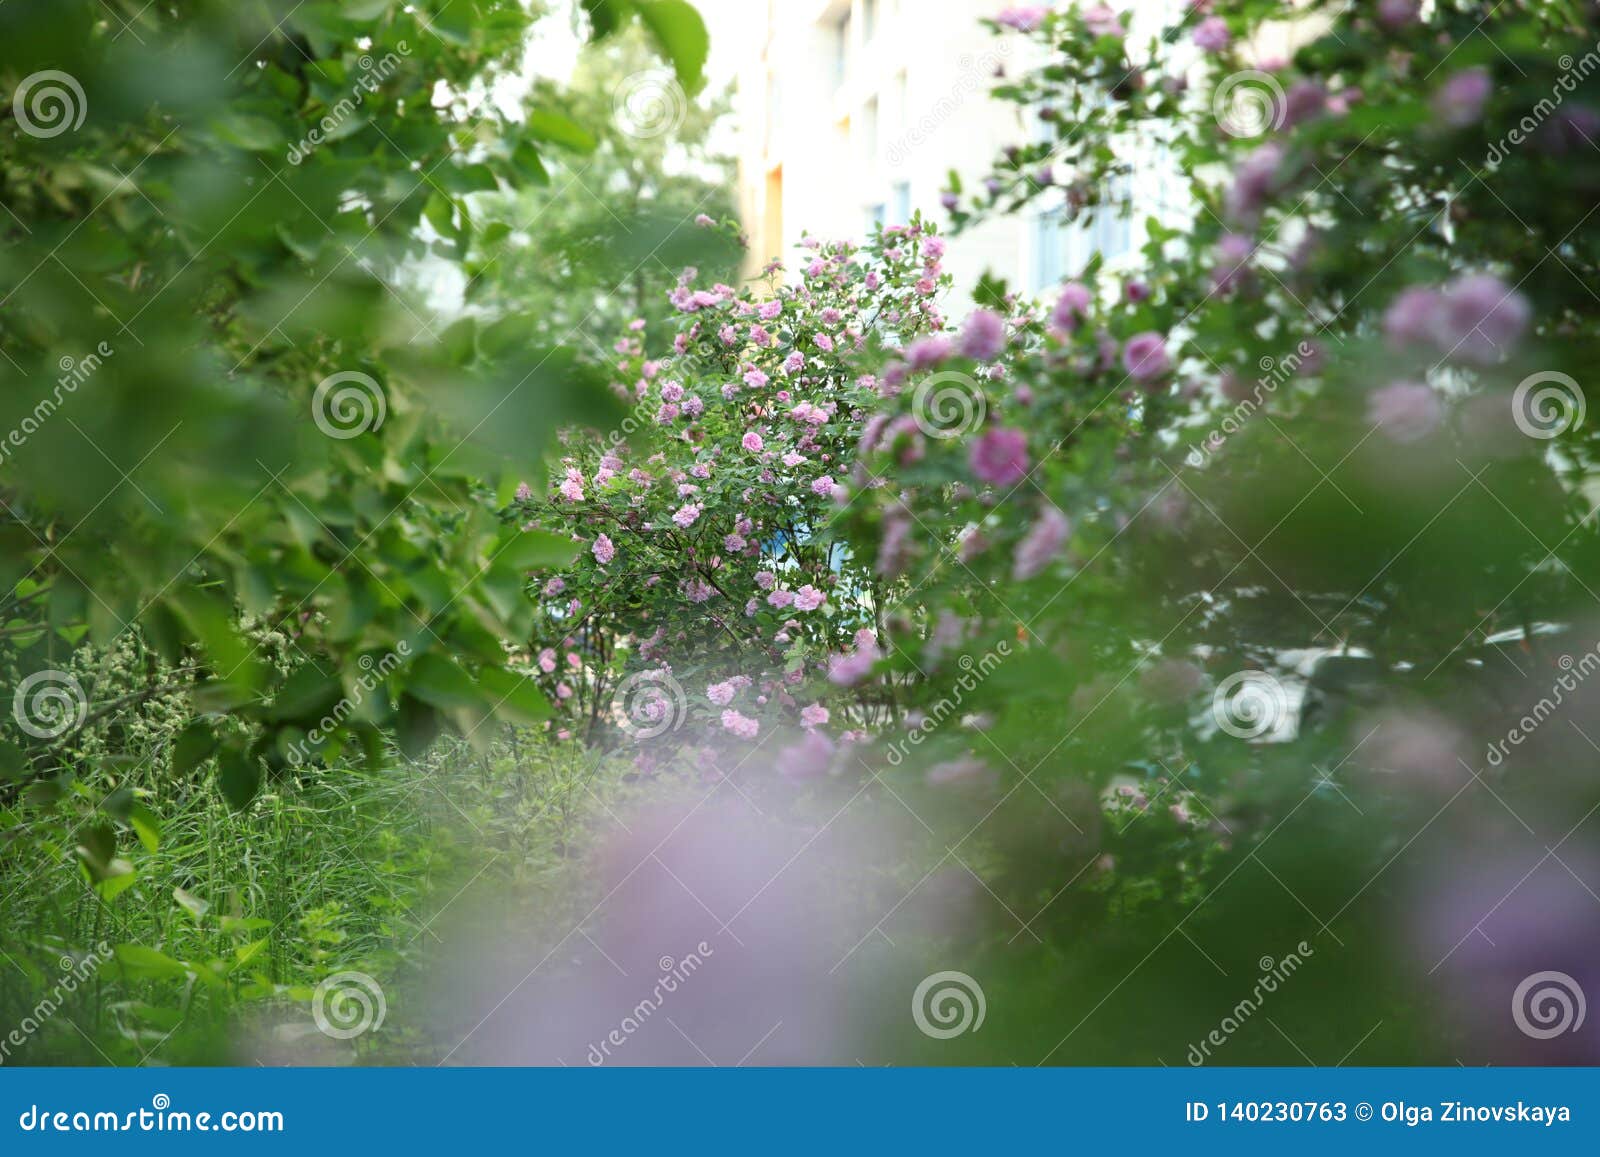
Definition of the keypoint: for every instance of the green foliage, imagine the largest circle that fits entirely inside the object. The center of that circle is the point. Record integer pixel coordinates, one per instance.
(1292, 546)
(1262, 535)
(228, 400)
(204, 942)
(250, 553)
(604, 239)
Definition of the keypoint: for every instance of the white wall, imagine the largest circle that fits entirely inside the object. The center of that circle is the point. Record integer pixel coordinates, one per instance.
(926, 68)
(910, 102)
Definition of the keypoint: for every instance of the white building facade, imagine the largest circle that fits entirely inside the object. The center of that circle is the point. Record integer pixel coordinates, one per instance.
(855, 111)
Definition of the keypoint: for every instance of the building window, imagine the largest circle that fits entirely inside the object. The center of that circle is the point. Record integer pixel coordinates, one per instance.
(900, 203)
(1062, 248)
(875, 216)
(869, 134)
(841, 48)
(1049, 265)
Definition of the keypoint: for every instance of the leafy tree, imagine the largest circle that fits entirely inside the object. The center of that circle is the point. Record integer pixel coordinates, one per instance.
(226, 408)
(603, 240)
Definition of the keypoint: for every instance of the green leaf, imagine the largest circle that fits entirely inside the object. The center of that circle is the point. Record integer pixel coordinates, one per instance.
(13, 764)
(191, 904)
(514, 698)
(417, 726)
(534, 550)
(245, 953)
(452, 22)
(212, 621)
(146, 826)
(306, 694)
(440, 212)
(194, 745)
(120, 876)
(606, 16)
(459, 341)
(97, 848)
(141, 963)
(257, 134)
(990, 291)
(16, 545)
(442, 683)
(681, 35)
(525, 159)
(558, 130)
(239, 777)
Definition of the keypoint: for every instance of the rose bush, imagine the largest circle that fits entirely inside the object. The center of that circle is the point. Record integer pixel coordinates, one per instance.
(712, 583)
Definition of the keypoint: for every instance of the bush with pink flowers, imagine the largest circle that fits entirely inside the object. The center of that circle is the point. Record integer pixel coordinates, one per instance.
(711, 564)
(1215, 570)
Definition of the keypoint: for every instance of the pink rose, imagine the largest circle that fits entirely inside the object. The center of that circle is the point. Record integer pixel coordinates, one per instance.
(1405, 411)
(739, 725)
(999, 456)
(1460, 100)
(1212, 35)
(1145, 357)
(1071, 307)
(983, 337)
(1042, 543)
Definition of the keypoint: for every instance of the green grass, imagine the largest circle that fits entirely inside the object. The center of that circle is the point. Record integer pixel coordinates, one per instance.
(221, 923)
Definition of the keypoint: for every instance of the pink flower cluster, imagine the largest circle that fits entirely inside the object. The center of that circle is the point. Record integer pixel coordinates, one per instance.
(1476, 318)
(999, 456)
